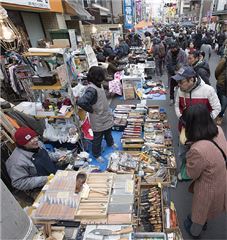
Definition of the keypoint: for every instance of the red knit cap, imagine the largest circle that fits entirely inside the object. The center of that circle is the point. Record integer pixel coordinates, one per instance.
(23, 135)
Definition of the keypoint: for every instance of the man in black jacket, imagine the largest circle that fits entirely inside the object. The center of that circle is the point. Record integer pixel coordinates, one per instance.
(201, 68)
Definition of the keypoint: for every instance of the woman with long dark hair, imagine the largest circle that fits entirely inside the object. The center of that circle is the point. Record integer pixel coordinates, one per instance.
(206, 164)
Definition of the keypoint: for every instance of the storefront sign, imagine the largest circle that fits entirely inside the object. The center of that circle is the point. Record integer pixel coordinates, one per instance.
(29, 3)
(139, 10)
(128, 13)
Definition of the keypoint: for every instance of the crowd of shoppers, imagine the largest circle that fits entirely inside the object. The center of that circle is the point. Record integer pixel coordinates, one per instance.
(185, 55)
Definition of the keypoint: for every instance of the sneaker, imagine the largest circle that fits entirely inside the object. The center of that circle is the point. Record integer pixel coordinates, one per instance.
(100, 159)
(115, 146)
(171, 102)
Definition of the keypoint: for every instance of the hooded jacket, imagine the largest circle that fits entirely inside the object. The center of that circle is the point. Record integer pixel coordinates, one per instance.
(201, 93)
(202, 69)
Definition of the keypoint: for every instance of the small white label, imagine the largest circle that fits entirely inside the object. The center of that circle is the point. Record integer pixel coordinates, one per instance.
(28, 137)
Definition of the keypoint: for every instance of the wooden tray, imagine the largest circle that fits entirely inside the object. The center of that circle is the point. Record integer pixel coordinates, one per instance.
(97, 202)
(140, 188)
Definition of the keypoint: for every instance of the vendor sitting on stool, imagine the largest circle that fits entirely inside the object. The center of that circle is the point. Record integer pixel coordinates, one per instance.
(29, 166)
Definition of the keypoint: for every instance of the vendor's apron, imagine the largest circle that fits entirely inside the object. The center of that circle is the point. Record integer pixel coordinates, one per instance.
(43, 163)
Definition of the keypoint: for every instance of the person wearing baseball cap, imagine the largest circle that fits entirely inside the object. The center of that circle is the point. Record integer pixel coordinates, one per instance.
(29, 166)
(192, 90)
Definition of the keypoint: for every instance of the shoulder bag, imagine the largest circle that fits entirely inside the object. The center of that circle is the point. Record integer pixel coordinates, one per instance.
(225, 157)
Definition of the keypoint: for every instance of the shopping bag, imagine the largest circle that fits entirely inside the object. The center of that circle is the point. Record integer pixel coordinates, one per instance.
(86, 129)
(183, 171)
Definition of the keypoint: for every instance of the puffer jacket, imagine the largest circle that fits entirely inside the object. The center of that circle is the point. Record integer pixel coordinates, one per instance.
(201, 93)
(221, 75)
(202, 69)
(22, 171)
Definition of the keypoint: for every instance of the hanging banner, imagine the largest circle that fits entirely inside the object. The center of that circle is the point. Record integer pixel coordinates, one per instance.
(30, 3)
(138, 10)
(128, 13)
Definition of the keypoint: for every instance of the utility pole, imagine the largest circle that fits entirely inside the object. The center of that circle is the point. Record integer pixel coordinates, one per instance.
(111, 6)
(201, 13)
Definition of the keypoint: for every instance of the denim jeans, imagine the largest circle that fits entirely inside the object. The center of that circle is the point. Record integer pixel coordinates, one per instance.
(97, 141)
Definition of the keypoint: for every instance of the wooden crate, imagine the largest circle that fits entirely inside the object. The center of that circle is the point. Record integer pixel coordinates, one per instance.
(141, 188)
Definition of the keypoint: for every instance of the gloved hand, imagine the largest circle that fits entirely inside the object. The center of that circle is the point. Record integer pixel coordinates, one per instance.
(51, 176)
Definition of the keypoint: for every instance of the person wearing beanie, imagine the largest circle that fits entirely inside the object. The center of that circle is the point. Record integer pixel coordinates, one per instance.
(29, 166)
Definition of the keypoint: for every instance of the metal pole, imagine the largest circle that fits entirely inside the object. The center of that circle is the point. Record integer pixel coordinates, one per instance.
(201, 13)
(111, 5)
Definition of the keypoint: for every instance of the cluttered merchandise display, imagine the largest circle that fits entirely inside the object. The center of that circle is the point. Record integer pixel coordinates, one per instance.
(131, 199)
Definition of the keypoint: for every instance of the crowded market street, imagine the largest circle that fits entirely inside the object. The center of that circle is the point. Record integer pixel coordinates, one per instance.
(113, 119)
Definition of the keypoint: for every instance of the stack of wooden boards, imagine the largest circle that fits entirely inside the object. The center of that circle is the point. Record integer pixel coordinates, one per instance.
(59, 200)
(94, 201)
(106, 198)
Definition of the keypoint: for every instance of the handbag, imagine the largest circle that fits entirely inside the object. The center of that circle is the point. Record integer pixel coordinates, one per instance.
(225, 157)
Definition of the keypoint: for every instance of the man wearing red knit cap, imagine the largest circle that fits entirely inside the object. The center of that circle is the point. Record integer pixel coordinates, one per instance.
(29, 166)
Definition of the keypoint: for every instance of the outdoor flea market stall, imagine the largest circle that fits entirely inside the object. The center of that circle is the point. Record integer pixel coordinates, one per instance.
(127, 196)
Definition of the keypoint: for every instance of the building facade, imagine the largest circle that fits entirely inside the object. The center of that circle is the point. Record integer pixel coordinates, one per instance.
(220, 10)
(35, 19)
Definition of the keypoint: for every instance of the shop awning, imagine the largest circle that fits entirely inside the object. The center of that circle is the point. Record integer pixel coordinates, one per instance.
(143, 24)
(73, 8)
(103, 11)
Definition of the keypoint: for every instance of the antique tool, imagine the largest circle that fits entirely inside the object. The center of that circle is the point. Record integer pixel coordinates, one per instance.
(107, 232)
(86, 190)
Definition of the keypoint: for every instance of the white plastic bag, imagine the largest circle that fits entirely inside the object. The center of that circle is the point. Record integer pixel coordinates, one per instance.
(50, 133)
(79, 90)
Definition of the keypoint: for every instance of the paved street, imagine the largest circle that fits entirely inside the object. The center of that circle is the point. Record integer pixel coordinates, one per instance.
(217, 229)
